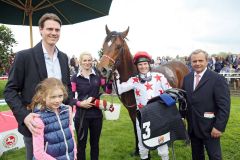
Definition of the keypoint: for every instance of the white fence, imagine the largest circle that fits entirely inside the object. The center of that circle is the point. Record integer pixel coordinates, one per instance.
(233, 79)
(230, 75)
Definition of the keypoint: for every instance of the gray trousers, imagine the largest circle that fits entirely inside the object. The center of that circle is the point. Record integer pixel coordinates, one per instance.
(29, 147)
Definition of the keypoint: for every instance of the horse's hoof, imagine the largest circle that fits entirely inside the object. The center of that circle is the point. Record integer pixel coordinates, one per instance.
(135, 154)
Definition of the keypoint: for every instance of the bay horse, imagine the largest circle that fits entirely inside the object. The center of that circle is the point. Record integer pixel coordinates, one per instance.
(116, 56)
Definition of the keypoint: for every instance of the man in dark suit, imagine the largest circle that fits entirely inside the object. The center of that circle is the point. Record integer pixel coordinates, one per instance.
(29, 68)
(208, 100)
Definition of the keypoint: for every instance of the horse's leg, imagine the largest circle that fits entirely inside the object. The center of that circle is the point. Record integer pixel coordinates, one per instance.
(132, 113)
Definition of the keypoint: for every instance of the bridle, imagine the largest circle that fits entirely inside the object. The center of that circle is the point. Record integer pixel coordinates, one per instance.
(116, 62)
(112, 60)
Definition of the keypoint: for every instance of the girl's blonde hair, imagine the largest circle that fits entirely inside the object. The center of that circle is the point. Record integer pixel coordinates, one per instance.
(43, 89)
(84, 54)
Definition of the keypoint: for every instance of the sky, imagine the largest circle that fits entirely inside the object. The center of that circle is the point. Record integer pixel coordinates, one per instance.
(160, 27)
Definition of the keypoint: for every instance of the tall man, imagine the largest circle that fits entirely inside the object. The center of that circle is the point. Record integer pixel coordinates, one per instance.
(29, 68)
(208, 101)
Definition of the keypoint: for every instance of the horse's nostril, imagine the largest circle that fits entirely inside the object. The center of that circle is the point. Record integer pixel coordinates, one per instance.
(104, 71)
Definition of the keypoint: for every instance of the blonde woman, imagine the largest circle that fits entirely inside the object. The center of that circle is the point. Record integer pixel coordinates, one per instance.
(87, 83)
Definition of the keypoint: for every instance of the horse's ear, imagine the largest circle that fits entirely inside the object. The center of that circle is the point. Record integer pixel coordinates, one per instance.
(107, 30)
(125, 33)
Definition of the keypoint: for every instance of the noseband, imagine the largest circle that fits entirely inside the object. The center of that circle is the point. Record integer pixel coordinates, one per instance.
(113, 61)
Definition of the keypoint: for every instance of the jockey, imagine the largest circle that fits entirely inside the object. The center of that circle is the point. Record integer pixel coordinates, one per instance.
(145, 74)
(146, 85)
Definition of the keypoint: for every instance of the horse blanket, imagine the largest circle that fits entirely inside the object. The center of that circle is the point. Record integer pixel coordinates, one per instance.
(160, 123)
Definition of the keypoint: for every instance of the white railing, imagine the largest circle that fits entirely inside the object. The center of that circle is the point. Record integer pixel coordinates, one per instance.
(231, 75)
(2, 102)
(233, 79)
(3, 77)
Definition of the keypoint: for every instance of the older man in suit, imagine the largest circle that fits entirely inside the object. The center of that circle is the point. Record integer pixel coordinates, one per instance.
(29, 68)
(208, 100)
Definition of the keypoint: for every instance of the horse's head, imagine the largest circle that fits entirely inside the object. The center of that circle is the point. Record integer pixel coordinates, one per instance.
(113, 49)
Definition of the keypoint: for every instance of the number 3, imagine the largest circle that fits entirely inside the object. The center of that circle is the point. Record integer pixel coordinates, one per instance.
(146, 126)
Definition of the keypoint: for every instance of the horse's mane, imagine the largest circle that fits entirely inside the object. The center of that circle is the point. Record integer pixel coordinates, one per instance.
(127, 67)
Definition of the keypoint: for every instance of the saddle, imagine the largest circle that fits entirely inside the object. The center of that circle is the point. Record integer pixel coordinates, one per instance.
(160, 120)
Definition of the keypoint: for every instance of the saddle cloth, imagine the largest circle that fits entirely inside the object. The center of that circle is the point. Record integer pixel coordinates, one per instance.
(160, 124)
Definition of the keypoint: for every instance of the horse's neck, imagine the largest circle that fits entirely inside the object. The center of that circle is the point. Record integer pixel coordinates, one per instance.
(126, 68)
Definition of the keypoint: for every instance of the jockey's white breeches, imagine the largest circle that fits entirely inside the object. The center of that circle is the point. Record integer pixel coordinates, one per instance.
(162, 150)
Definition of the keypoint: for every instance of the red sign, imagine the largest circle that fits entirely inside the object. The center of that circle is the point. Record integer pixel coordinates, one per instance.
(10, 140)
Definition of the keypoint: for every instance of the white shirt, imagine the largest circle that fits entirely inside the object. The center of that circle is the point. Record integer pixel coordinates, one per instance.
(145, 91)
(80, 73)
(52, 65)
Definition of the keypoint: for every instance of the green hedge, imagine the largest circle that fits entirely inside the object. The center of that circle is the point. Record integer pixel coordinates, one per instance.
(2, 86)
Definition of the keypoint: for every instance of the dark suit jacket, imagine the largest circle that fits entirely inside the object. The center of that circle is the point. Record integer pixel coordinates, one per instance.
(28, 70)
(211, 95)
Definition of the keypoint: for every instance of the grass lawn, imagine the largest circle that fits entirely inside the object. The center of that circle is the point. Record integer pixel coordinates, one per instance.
(2, 86)
(117, 139)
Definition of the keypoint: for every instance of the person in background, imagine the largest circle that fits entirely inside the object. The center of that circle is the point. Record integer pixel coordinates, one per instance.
(218, 64)
(74, 65)
(158, 61)
(56, 137)
(146, 85)
(95, 62)
(29, 68)
(72, 61)
(88, 116)
(188, 63)
(208, 100)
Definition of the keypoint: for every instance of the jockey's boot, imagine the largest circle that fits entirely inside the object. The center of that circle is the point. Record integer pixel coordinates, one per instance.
(149, 156)
(165, 157)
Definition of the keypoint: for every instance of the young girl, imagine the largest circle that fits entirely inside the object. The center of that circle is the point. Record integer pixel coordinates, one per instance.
(55, 139)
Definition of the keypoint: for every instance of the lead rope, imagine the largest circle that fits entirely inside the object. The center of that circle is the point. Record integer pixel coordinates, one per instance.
(111, 99)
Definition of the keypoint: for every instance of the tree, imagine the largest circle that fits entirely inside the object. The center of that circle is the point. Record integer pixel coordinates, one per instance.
(100, 52)
(7, 41)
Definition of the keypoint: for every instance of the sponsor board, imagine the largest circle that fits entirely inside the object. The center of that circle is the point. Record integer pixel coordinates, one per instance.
(10, 140)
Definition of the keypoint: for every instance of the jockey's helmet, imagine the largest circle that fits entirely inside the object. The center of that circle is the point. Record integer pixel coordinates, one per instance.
(141, 56)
